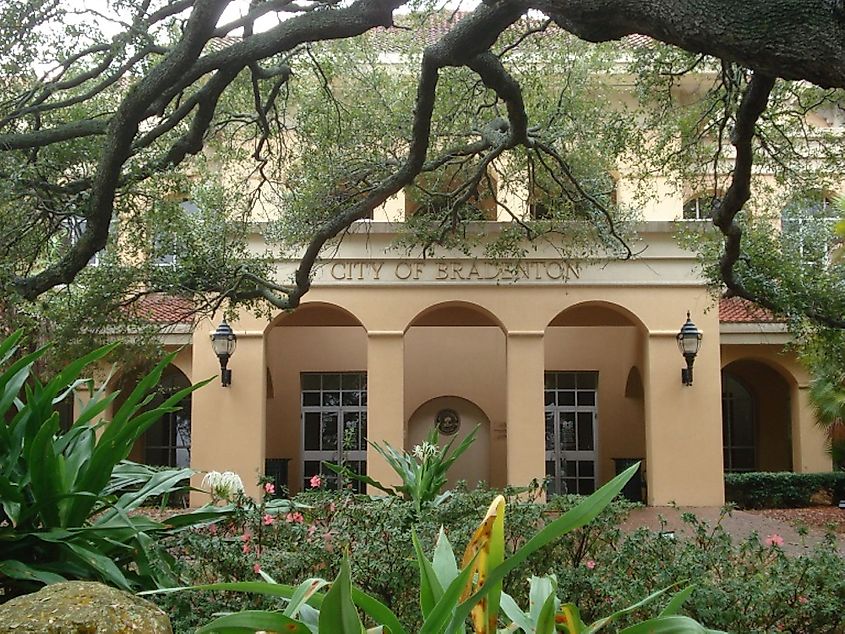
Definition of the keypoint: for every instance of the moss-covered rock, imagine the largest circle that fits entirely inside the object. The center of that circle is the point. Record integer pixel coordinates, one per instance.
(81, 607)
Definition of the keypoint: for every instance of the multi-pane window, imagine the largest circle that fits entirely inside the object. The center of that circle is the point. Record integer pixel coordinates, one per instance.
(571, 399)
(737, 426)
(701, 207)
(168, 441)
(807, 224)
(334, 426)
(166, 246)
(74, 227)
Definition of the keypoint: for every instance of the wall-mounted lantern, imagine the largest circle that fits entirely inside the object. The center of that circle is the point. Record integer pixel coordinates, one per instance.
(689, 342)
(224, 341)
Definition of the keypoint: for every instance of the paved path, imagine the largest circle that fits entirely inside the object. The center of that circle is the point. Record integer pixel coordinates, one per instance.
(739, 524)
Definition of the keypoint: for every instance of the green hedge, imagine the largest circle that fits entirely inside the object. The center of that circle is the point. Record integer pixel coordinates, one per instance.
(782, 489)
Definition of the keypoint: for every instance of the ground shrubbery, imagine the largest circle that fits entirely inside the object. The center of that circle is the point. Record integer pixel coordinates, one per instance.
(747, 587)
(782, 489)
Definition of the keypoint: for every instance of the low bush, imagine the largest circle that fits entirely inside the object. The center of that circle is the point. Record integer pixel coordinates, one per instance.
(783, 489)
(745, 587)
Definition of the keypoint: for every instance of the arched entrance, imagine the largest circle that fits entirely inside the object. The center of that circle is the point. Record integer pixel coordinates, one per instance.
(594, 404)
(167, 442)
(756, 420)
(316, 395)
(458, 349)
(462, 417)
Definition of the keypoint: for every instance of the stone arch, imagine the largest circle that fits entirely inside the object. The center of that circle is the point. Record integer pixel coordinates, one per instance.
(318, 341)
(459, 348)
(781, 369)
(597, 313)
(474, 465)
(318, 313)
(455, 313)
(594, 394)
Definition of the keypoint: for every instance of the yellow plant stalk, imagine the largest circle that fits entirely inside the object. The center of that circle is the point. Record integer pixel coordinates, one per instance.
(488, 542)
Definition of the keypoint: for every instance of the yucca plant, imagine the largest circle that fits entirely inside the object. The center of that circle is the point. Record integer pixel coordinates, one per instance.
(450, 596)
(423, 471)
(65, 496)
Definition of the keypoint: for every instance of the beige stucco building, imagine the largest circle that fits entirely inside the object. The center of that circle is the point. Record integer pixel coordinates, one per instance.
(568, 368)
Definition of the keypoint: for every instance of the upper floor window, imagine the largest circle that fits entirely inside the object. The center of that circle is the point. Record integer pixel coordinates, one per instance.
(546, 203)
(807, 223)
(165, 245)
(433, 193)
(701, 207)
(74, 227)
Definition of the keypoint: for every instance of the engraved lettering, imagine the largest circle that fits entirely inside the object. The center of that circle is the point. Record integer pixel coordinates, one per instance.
(403, 270)
(334, 271)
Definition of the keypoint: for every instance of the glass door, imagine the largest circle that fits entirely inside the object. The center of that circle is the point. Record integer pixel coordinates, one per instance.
(571, 432)
(334, 426)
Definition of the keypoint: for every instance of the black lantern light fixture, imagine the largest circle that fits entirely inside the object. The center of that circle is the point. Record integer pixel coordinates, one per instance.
(224, 341)
(689, 342)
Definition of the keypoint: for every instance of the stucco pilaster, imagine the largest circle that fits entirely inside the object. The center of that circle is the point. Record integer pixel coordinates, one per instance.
(228, 423)
(809, 441)
(684, 423)
(525, 422)
(385, 400)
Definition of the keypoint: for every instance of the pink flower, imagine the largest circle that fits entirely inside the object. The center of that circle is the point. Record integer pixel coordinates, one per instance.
(295, 517)
(803, 600)
(316, 481)
(245, 549)
(590, 564)
(212, 529)
(269, 488)
(267, 520)
(256, 568)
(246, 537)
(773, 540)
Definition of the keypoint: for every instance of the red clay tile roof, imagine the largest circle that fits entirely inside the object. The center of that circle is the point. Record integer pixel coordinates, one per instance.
(164, 309)
(735, 310)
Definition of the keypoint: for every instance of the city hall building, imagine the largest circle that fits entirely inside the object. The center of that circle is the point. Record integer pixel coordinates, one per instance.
(570, 369)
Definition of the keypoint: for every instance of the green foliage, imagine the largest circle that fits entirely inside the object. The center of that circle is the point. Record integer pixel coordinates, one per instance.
(448, 599)
(740, 587)
(67, 494)
(782, 489)
(423, 470)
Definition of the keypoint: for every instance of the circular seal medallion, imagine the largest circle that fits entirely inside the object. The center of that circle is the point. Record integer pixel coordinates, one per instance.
(448, 421)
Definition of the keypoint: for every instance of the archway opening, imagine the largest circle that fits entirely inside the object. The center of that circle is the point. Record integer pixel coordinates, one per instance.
(459, 349)
(317, 407)
(167, 442)
(756, 419)
(594, 405)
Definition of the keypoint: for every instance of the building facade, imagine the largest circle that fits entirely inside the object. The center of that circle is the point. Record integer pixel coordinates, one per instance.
(569, 370)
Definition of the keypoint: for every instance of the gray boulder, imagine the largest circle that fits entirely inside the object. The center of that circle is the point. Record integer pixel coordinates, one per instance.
(81, 607)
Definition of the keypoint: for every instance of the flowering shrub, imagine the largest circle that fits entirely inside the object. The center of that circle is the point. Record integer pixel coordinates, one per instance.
(741, 587)
(423, 470)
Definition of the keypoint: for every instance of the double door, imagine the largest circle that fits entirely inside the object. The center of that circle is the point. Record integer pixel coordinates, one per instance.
(571, 431)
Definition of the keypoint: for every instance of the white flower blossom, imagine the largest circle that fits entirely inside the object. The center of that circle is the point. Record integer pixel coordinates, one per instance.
(223, 485)
(426, 451)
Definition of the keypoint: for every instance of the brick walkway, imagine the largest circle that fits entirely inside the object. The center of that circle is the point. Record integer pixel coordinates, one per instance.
(739, 524)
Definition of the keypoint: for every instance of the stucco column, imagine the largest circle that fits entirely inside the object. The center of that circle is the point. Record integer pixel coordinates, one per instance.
(809, 442)
(228, 423)
(385, 400)
(526, 435)
(684, 423)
